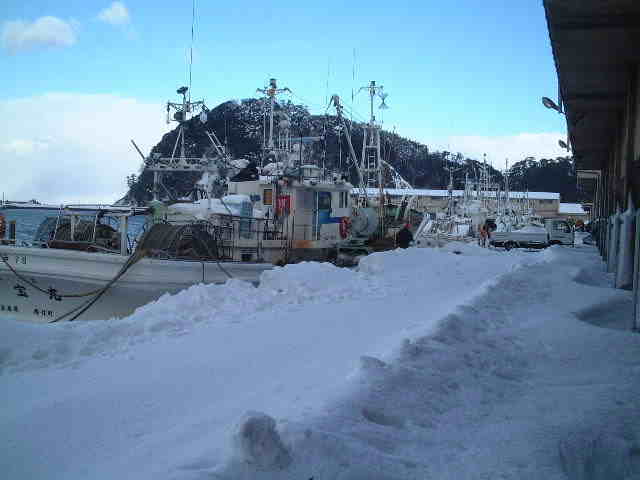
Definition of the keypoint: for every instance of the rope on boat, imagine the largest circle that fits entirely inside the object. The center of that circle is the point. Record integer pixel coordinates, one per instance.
(47, 292)
(133, 259)
(76, 312)
(196, 234)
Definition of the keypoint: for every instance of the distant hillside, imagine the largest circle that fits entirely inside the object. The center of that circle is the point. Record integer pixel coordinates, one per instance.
(240, 126)
(547, 175)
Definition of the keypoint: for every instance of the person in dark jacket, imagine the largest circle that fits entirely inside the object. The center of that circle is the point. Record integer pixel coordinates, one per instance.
(404, 237)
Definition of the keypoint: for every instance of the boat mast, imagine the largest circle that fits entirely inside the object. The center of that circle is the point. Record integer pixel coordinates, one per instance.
(371, 162)
(335, 100)
(271, 91)
(506, 188)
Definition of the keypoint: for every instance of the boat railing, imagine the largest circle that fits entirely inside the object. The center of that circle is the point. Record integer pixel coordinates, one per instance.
(322, 179)
(241, 238)
(175, 163)
(100, 207)
(93, 232)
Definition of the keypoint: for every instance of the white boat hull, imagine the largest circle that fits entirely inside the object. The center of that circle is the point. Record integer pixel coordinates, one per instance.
(61, 272)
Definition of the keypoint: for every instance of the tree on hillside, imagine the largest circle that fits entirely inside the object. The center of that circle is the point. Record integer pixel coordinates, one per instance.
(546, 175)
(240, 126)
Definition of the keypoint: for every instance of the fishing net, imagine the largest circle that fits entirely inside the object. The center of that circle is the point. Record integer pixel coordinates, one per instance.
(193, 241)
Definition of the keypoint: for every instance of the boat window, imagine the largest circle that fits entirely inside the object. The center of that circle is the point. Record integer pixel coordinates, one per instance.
(324, 200)
(343, 200)
(267, 198)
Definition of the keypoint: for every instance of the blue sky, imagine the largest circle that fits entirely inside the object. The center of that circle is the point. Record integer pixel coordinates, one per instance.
(466, 74)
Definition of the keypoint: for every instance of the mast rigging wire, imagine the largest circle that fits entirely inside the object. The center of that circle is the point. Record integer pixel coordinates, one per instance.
(193, 21)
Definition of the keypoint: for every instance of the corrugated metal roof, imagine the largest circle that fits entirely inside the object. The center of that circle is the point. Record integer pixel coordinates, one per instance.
(418, 192)
(594, 42)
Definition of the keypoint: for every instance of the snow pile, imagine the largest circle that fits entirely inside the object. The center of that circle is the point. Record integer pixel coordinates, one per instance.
(601, 455)
(469, 248)
(239, 205)
(312, 281)
(28, 346)
(258, 444)
(398, 274)
(449, 363)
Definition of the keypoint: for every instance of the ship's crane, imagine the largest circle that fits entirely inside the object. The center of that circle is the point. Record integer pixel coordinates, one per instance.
(400, 183)
(335, 100)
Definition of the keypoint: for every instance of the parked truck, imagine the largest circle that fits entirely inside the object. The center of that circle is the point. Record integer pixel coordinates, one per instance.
(554, 232)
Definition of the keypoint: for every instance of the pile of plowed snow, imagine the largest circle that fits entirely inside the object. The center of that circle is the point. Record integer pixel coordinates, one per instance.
(315, 372)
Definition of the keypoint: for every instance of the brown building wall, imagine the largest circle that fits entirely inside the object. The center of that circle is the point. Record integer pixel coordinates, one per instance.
(620, 168)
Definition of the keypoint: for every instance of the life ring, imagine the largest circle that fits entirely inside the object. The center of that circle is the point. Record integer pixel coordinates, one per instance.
(345, 226)
(3, 226)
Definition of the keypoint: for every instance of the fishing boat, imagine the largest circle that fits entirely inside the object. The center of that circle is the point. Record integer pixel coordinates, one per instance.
(461, 219)
(84, 263)
(483, 202)
(30, 205)
(307, 208)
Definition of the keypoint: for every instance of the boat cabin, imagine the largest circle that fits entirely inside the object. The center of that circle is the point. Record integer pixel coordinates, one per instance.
(309, 207)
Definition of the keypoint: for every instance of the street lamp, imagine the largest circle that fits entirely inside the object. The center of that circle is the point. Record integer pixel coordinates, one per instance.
(547, 102)
(550, 104)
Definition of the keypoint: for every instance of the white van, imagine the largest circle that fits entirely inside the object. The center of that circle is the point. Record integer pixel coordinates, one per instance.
(560, 232)
(554, 232)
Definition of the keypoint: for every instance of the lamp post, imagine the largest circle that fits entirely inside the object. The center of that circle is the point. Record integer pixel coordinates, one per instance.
(550, 104)
(547, 102)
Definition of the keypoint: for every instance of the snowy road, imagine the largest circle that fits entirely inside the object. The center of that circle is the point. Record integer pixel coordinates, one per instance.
(476, 367)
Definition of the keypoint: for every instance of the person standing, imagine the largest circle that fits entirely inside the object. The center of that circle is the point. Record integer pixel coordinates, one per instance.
(483, 235)
(404, 237)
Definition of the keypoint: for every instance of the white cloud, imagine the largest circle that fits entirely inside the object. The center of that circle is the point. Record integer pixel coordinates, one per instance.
(20, 146)
(19, 36)
(115, 14)
(513, 147)
(86, 153)
(498, 148)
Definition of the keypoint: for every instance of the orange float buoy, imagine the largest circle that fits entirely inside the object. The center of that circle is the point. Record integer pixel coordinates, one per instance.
(345, 226)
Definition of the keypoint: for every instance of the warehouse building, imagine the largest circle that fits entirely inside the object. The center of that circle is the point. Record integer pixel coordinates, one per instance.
(596, 49)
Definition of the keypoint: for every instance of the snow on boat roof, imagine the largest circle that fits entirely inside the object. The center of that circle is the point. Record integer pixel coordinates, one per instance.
(419, 192)
(571, 208)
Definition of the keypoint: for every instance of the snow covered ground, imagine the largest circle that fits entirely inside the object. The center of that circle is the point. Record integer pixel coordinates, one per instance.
(446, 364)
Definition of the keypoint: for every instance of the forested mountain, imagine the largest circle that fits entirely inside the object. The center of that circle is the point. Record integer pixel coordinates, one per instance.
(546, 175)
(239, 124)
